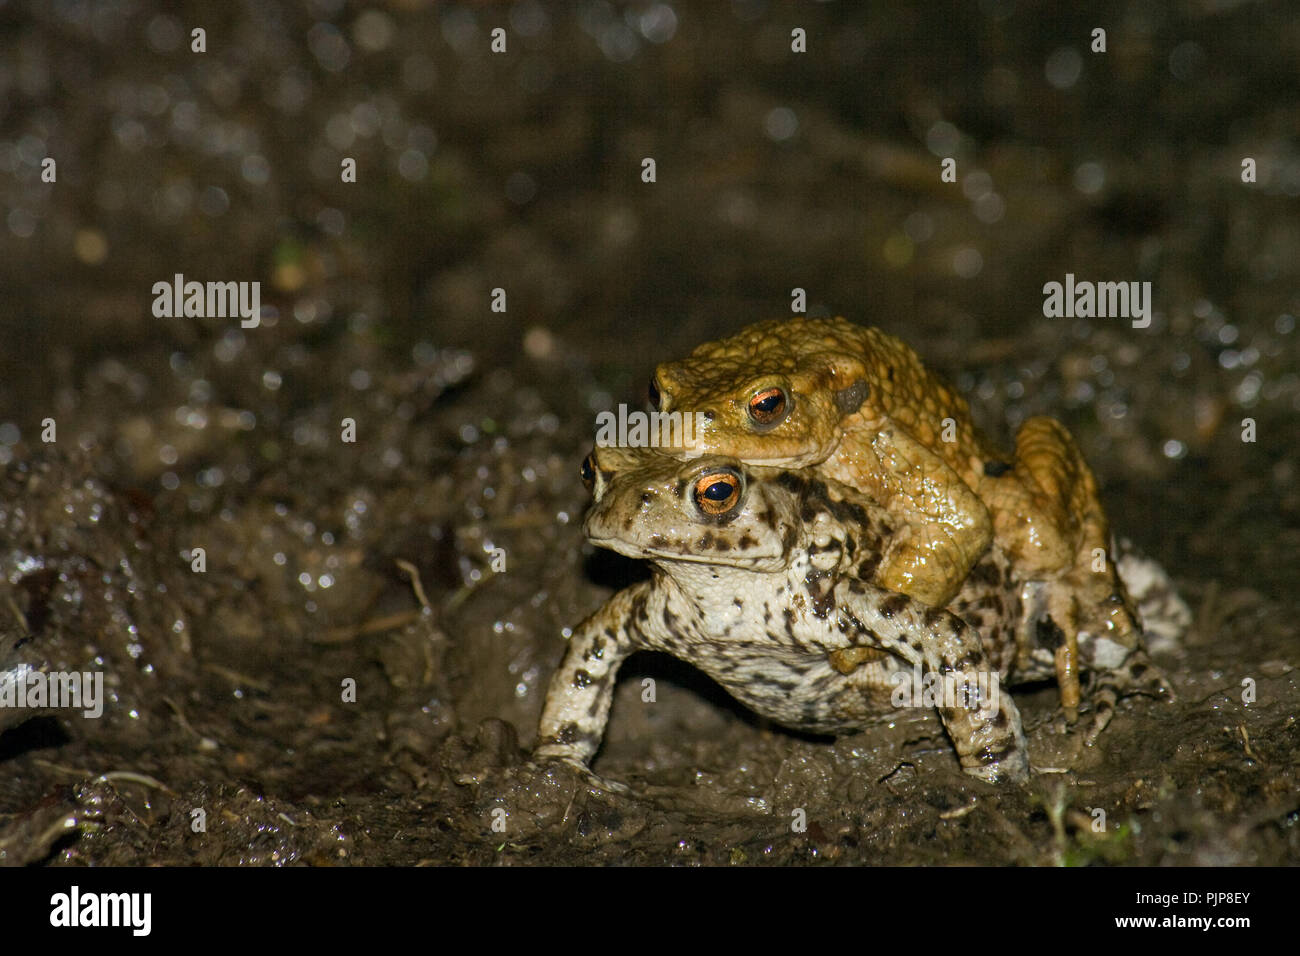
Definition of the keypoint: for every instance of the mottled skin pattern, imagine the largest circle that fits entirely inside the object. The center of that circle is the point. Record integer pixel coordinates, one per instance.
(774, 600)
(1012, 616)
(862, 409)
(761, 598)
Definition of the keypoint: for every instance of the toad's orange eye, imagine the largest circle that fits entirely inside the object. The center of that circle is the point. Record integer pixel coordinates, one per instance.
(768, 406)
(717, 492)
(589, 471)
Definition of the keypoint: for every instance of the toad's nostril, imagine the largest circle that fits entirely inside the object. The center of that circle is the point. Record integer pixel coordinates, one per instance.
(646, 498)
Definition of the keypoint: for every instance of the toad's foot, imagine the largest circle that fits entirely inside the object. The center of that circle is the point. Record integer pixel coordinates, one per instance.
(1137, 675)
(1090, 605)
(1014, 768)
(542, 761)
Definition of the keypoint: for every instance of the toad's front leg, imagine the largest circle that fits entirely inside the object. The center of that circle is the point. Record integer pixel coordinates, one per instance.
(983, 722)
(582, 689)
(942, 525)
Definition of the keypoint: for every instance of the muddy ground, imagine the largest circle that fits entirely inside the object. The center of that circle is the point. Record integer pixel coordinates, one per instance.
(371, 561)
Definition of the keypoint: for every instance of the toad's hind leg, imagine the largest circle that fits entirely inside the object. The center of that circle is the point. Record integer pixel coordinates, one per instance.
(1121, 670)
(983, 723)
(1048, 516)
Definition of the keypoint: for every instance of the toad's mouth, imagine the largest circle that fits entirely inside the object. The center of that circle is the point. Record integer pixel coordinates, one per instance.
(705, 547)
(770, 455)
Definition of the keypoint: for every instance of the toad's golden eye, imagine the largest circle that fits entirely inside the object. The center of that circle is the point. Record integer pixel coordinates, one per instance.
(717, 492)
(589, 471)
(769, 406)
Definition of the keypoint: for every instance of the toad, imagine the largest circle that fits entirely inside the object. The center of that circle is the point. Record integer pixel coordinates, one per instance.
(761, 577)
(823, 393)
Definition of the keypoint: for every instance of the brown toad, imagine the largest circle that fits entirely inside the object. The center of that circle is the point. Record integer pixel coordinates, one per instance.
(858, 406)
(762, 579)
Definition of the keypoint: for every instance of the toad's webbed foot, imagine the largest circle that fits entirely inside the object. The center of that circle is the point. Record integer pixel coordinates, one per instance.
(1137, 675)
(541, 761)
